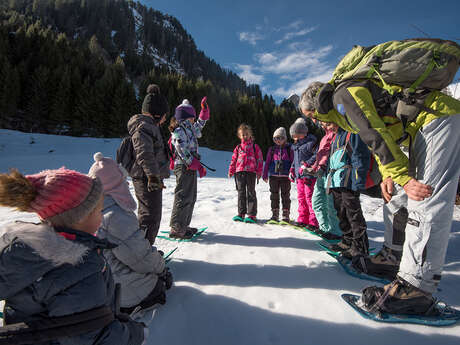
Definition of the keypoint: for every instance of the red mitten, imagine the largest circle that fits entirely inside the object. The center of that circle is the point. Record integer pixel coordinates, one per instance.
(195, 164)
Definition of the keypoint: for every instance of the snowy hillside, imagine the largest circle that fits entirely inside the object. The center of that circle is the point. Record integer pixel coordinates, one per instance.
(245, 284)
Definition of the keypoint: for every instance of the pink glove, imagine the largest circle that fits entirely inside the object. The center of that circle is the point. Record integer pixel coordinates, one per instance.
(204, 113)
(202, 171)
(195, 164)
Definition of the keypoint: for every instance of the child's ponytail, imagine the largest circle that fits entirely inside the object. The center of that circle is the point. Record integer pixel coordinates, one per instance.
(16, 191)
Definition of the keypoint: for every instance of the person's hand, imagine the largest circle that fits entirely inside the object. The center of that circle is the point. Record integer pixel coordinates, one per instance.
(154, 183)
(417, 191)
(258, 178)
(266, 180)
(230, 175)
(387, 188)
(291, 176)
(205, 112)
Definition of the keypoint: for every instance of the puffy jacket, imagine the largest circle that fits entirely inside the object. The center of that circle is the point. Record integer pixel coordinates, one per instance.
(149, 148)
(185, 141)
(364, 107)
(244, 158)
(324, 150)
(133, 263)
(349, 162)
(276, 153)
(304, 153)
(47, 272)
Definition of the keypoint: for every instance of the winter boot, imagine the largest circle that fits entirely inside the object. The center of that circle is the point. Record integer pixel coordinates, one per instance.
(183, 233)
(385, 264)
(286, 212)
(193, 230)
(250, 219)
(341, 246)
(399, 297)
(359, 247)
(155, 297)
(275, 214)
(329, 236)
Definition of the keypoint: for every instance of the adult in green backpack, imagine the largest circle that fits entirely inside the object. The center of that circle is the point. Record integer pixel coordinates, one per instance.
(365, 106)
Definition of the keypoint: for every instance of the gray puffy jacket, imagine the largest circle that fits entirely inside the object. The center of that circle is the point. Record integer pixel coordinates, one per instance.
(149, 148)
(133, 263)
(44, 274)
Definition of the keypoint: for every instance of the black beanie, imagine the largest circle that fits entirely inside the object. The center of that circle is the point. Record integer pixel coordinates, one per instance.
(154, 102)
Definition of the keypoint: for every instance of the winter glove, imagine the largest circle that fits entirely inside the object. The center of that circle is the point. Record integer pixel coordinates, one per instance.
(167, 277)
(292, 175)
(154, 183)
(202, 171)
(205, 112)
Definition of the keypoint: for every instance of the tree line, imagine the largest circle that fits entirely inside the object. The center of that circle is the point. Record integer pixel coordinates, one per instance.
(76, 68)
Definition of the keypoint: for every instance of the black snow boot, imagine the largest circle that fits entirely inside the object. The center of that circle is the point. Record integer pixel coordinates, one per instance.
(385, 264)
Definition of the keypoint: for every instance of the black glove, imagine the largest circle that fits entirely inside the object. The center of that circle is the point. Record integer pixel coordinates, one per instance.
(154, 183)
(167, 277)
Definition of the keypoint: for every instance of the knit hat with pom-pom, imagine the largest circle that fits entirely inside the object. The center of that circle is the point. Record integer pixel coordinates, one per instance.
(299, 127)
(184, 111)
(61, 197)
(113, 179)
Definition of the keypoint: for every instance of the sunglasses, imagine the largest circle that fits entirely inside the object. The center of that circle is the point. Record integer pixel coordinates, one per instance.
(278, 138)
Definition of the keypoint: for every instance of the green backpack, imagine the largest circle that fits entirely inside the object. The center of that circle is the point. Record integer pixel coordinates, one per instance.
(418, 65)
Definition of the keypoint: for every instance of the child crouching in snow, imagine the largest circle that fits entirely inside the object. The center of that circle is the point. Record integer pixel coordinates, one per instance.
(54, 277)
(304, 156)
(135, 264)
(246, 165)
(276, 170)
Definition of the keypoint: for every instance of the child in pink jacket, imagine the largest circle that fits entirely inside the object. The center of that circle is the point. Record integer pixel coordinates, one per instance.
(246, 166)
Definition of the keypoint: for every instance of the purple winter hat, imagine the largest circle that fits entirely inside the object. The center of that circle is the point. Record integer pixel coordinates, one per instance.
(184, 111)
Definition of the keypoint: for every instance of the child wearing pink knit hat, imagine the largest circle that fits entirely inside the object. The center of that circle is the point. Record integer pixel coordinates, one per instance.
(53, 272)
(135, 264)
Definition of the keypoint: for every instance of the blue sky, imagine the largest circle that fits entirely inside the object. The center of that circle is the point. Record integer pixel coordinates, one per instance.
(284, 45)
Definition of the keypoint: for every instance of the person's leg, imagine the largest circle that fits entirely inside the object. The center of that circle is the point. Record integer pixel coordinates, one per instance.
(149, 209)
(395, 218)
(193, 193)
(252, 196)
(285, 186)
(309, 188)
(240, 179)
(354, 214)
(344, 224)
(319, 204)
(274, 183)
(435, 155)
(182, 198)
(301, 199)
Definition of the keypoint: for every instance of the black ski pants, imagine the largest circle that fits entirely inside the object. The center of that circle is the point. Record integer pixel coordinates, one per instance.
(149, 208)
(277, 184)
(351, 219)
(246, 187)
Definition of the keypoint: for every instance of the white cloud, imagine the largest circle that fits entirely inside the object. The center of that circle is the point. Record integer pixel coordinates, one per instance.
(300, 85)
(294, 62)
(248, 75)
(290, 35)
(251, 37)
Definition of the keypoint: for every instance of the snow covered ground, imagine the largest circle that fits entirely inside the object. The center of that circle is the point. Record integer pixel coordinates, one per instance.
(245, 284)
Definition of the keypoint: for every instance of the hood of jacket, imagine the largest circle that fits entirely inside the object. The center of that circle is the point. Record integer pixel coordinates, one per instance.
(28, 251)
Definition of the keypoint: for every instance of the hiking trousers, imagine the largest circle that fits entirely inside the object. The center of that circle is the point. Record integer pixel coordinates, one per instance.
(277, 184)
(395, 216)
(184, 197)
(434, 158)
(323, 207)
(247, 198)
(149, 208)
(351, 219)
